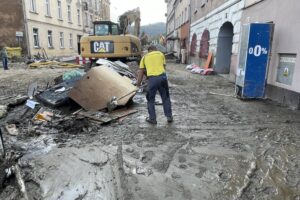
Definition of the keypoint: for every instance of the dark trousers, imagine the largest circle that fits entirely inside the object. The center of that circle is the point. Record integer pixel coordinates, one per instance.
(160, 84)
(4, 62)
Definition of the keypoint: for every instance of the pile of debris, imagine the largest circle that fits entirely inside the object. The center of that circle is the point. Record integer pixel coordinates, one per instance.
(77, 102)
(206, 70)
(52, 64)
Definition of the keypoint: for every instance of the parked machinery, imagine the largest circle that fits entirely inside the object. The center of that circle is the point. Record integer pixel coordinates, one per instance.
(111, 40)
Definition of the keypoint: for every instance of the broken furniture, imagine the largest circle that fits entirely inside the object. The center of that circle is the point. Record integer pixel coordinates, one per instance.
(99, 86)
(58, 94)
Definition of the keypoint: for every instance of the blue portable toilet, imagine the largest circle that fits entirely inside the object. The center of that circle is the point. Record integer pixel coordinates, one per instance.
(255, 47)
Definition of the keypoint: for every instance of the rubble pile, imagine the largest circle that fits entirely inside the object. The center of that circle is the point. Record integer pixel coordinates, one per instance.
(79, 103)
(205, 70)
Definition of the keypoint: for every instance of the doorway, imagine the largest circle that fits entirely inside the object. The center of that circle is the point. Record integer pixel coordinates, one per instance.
(224, 49)
(204, 45)
(78, 44)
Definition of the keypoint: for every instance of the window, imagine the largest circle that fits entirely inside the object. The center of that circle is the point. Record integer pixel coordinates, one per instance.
(47, 4)
(78, 17)
(91, 21)
(114, 30)
(61, 40)
(196, 6)
(50, 40)
(36, 41)
(193, 45)
(180, 20)
(32, 6)
(59, 9)
(71, 41)
(203, 3)
(86, 19)
(204, 44)
(69, 13)
(188, 12)
(101, 29)
(96, 5)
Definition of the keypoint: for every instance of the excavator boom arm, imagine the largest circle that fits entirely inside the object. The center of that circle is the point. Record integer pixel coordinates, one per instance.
(129, 17)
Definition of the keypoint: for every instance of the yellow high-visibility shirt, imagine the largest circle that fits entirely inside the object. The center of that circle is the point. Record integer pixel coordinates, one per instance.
(154, 63)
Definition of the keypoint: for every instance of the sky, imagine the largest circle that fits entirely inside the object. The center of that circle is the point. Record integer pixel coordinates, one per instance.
(152, 11)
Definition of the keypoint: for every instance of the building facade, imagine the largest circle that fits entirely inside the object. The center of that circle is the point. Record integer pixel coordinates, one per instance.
(171, 35)
(178, 27)
(283, 81)
(182, 25)
(105, 10)
(215, 28)
(12, 34)
(94, 10)
(50, 27)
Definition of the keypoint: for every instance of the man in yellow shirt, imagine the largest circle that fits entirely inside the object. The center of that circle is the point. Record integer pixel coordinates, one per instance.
(154, 63)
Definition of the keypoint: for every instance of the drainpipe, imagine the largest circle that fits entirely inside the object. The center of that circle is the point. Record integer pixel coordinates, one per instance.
(166, 30)
(26, 28)
(174, 7)
(189, 32)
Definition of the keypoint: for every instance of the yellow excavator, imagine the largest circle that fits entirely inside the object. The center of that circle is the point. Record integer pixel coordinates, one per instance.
(112, 40)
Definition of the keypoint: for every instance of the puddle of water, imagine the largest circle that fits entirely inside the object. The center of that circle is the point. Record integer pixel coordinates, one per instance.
(39, 146)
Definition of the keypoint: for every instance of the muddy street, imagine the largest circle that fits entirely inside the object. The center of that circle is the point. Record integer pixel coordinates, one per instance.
(218, 148)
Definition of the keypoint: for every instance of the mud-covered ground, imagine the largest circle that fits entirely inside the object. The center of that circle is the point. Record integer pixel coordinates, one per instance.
(217, 148)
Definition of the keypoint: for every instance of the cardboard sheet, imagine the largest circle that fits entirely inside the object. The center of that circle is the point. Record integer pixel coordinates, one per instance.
(99, 86)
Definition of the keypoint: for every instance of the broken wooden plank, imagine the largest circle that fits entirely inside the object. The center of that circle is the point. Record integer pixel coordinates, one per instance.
(116, 114)
(96, 116)
(20, 181)
(104, 118)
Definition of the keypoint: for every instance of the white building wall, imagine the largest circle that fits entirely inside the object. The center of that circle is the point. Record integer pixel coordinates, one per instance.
(170, 24)
(231, 11)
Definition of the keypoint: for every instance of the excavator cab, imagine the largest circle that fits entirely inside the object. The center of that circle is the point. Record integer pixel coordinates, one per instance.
(104, 28)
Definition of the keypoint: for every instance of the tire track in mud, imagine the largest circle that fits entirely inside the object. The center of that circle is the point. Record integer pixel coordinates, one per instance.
(163, 165)
(257, 127)
(278, 165)
(209, 150)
